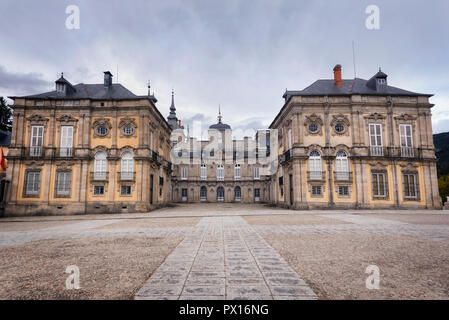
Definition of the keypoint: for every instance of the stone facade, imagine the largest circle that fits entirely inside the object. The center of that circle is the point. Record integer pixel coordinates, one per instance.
(87, 149)
(364, 148)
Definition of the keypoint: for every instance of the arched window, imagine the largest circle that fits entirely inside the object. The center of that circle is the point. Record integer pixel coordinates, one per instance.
(220, 194)
(127, 166)
(315, 166)
(237, 172)
(342, 166)
(237, 194)
(100, 166)
(203, 193)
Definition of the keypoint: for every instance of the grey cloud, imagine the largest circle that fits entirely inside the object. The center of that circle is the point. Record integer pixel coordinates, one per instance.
(22, 83)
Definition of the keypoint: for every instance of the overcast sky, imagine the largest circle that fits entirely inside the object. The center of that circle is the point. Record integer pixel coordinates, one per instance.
(239, 54)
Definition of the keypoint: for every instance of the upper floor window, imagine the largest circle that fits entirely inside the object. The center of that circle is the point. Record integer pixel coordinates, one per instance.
(60, 87)
(341, 166)
(66, 144)
(315, 166)
(37, 140)
(100, 166)
(184, 175)
(102, 131)
(237, 172)
(405, 132)
(203, 172)
(220, 172)
(339, 127)
(375, 136)
(127, 166)
(313, 128)
(289, 133)
(256, 173)
(381, 81)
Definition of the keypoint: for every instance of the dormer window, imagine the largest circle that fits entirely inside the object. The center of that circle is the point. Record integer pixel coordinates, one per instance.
(60, 87)
(381, 81)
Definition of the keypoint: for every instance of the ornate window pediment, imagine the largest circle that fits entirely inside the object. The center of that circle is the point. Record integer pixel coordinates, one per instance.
(102, 128)
(405, 118)
(378, 166)
(340, 124)
(409, 167)
(313, 124)
(37, 119)
(64, 166)
(127, 127)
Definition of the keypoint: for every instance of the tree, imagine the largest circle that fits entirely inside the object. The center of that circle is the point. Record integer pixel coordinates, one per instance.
(5, 115)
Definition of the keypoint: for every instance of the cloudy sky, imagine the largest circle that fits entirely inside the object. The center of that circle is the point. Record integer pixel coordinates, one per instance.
(239, 54)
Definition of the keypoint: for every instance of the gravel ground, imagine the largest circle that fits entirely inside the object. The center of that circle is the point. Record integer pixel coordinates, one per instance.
(302, 219)
(109, 268)
(153, 223)
(31, 225)
(438, 219)
(334, 265)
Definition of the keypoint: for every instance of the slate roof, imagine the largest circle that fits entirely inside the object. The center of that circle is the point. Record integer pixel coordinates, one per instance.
(350, 87)
(220, 126)
(89, 91)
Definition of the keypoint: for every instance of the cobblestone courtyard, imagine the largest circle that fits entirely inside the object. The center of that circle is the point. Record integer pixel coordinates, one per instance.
(227, 251)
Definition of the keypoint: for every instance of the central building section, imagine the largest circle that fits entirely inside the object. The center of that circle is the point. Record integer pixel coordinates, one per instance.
(221, 169)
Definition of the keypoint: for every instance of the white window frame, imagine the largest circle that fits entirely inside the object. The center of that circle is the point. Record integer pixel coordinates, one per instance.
(66, 143)
(37, 140)
(380, 192)
(256, 173)
(316, 188)
(406, 140)
(315, 166)
(184, 173)
(341, 166)
(127, 166)
(33, 183)
(63, 183)
(237, 172)
(203, 172)
(410, 187)
(376, 139)
(220, 172)
(100, 166)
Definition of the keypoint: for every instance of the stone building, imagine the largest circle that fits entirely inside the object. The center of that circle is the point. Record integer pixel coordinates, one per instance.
(221, 169)
(355, 144)
(88, 148)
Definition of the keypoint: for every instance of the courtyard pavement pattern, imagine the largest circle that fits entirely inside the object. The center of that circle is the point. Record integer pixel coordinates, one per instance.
(224, 255)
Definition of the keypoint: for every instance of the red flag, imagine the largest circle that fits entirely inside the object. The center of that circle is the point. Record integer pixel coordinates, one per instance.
(3, 161)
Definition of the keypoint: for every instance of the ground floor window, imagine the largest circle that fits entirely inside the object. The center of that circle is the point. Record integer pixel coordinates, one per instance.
(184, 194)
(32, 183)
(343, 190)
(63, 183)
(125, 190)
(256, 195)
(203, 193)
(98, 190)
(317, 190)
(379, 185)
(220, 194)
(238, 193)
(410, 186)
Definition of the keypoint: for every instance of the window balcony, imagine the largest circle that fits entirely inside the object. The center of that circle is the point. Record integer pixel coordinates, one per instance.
(64, 152)
(377, 151)
(36, 151)
(99, 176)
(407, 152)
(345, 176)
(126, 176)
(315, 175)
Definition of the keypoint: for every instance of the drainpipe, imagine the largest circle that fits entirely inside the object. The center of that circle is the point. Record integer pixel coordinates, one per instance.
(395, 171)
(329, 161)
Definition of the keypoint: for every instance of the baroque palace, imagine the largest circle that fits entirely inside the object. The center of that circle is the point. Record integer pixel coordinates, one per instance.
(99, 148)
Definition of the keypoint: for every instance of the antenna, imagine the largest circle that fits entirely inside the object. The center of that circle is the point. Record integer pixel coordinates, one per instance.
(353, 59)
(117, 72)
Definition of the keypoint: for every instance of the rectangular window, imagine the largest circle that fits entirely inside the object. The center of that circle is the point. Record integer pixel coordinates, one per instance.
(256, 173)
(343, 190)
(184, 173)
(63, 183)
(405, 132)
(237, 172)
(410, 186)
(33, 182)
(379, 185)
(316, 190)
(68, 103)
(37, 140)
(125, 190)
(289, 139)
(256, 195)
(375, 134)
(98, 190)
(39, 103)
(203, 172)
(220, 173)
(66, 144)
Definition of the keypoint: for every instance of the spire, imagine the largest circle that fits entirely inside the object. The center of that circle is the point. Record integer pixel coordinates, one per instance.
(219, 114)
(172, 107)
(149, 87)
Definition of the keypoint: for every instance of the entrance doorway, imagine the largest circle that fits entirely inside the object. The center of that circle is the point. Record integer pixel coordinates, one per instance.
(220, 194)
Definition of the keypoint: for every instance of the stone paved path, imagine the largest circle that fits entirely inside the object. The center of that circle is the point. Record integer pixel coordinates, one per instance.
(224, 258)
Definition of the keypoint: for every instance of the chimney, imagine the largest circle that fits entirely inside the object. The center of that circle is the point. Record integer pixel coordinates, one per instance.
(337, 76)
(179, 123)
(107, 79)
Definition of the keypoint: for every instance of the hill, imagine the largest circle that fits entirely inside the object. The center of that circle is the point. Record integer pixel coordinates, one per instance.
(441, 141)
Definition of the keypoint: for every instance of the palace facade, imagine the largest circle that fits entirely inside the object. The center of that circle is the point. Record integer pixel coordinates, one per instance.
(91, 148)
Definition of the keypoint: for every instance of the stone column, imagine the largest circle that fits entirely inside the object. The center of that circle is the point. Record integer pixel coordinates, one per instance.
(46, 182)
(112, 179)
(80, 132)
(358, 178)
(84, 181)
(86, 133)
(114, 130)
(12, 173)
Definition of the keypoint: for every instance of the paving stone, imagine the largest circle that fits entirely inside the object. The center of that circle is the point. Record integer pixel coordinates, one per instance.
(165, 290)
(196, 290)
(291, 290)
